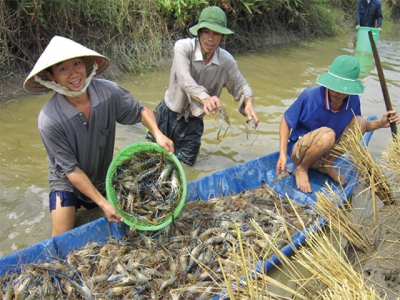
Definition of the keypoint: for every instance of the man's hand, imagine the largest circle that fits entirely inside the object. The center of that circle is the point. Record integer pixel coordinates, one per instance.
(389, 117)
(211, 105)
(111, 213)
(281, 164)
(165, 142)
(250, 111)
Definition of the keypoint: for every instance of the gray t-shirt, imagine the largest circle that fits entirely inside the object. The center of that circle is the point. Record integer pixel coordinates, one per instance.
(71, 140)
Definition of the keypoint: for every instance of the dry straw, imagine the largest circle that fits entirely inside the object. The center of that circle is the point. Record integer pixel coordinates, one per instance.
(370, 174)
(390, 162)
(341, 217)
(240, 278)
(321, 269)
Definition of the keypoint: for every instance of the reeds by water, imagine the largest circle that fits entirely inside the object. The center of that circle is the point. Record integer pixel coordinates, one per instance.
(371, 175)
(390, 163)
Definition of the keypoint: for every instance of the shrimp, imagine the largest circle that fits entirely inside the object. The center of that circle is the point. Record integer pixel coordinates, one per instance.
(223, 118)
(251, 128)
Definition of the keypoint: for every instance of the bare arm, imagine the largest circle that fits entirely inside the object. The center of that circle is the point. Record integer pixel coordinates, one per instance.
(387, 118)
(149, 121)
(284, 132)
(80, 180)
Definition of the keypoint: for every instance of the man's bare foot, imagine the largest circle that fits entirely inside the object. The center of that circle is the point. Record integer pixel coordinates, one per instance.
(302, 181)
(331, 172)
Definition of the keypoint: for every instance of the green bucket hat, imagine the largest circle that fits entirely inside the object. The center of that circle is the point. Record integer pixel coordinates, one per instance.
(342, 76)
(212, 18)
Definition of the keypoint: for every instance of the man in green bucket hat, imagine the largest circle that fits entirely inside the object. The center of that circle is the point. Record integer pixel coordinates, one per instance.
(318, 119)
(200, 70)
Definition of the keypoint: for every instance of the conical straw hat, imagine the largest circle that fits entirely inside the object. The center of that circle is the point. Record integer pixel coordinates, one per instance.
(60, 49)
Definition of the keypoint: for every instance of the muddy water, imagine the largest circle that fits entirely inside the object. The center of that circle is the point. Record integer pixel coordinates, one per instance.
(277, 76)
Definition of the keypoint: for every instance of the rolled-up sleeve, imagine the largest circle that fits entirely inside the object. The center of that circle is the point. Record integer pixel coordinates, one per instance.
(238, 87)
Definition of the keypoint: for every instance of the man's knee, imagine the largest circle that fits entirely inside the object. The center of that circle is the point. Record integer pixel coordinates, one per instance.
(328, 138)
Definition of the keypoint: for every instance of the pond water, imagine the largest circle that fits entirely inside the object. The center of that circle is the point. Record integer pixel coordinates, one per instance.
(276, 75)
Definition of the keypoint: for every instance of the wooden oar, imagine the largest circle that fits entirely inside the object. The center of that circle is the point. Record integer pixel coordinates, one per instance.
(382, 80)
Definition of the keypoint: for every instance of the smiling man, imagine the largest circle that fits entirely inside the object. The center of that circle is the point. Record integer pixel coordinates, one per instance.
(318, 119)
(78, 126)
(200, 70)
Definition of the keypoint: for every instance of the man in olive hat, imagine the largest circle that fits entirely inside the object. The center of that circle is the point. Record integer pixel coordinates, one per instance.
(317, 119)
(78, 126)
(200, 70)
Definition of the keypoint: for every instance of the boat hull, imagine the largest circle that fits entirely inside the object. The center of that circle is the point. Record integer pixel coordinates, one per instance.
(248, 175)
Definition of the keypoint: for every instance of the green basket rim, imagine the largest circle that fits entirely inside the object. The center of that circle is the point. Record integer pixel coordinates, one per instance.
(121, 156)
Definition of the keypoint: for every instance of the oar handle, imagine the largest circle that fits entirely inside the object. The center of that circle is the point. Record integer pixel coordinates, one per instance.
(382, 80)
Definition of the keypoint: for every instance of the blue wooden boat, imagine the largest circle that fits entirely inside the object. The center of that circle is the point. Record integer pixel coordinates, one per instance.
(248, 175)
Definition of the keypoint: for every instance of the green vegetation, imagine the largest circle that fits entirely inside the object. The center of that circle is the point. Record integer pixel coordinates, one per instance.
(138, 36)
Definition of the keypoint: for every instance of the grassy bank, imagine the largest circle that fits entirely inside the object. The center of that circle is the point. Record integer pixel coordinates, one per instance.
(138, 36)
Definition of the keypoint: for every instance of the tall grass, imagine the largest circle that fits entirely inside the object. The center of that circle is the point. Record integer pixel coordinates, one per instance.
(138, 36)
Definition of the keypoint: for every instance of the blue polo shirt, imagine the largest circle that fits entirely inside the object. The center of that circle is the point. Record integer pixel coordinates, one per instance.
(312, 110)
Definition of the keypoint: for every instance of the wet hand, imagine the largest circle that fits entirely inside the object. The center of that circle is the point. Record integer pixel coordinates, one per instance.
(165, 142)
(250, 111)
(394, 117)
(390, 117)
(115, 218)
(111, 214)
(281, 165)
(211, 105)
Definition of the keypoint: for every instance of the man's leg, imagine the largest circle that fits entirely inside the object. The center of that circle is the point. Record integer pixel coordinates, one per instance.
(308, 150)
(63, 216)
(325, 165)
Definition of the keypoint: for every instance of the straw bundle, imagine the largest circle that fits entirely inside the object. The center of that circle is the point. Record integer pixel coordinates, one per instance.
(321, 269)
(341, 218)
(390, 162)
(370, 173)
(330, 268)
(242, 279)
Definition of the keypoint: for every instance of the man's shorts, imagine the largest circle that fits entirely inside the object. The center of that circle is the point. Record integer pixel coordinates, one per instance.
(304, 143)
(69, 199)
(185, 135)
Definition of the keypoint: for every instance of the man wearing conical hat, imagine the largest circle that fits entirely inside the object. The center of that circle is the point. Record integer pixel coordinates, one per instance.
(78, 124)
(317, 119)
(200, 70)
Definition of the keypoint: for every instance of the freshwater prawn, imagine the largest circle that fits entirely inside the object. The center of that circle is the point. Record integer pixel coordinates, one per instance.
(251, 128)
(224, 118)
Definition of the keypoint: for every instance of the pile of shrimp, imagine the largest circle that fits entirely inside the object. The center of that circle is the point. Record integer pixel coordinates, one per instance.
(181, 261)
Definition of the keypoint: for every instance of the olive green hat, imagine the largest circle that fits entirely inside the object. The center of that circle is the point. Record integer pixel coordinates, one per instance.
(342, 76)
(212, 18)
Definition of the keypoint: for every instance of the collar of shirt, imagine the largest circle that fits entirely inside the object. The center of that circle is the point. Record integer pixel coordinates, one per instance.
(328, 104)
(198, 54)
(69, 110)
